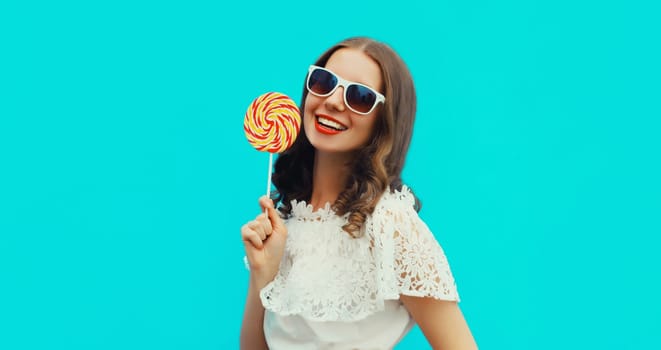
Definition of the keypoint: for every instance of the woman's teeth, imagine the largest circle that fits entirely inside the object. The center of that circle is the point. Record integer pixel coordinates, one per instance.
(330, 124)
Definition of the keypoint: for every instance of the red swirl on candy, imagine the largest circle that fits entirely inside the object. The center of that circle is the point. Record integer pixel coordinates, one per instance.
(272, 122)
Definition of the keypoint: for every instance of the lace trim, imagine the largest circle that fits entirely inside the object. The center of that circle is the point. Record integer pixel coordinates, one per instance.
(306, 212)
(325, 275)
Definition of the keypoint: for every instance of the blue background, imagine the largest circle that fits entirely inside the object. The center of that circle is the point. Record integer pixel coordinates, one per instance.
(125, 175)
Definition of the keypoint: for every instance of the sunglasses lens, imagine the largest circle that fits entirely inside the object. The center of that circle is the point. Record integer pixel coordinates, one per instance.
(360, 98)
(321, 82)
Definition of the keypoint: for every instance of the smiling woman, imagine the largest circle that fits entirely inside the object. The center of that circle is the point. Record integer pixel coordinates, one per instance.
(331, 123)
(345, 261)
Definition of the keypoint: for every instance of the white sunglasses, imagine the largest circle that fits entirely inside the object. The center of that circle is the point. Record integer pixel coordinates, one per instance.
(359, 98)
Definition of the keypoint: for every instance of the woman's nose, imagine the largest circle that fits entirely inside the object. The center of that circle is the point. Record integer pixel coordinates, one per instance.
(336, 100)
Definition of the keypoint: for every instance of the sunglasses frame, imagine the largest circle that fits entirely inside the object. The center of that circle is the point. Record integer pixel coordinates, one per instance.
(345, 84)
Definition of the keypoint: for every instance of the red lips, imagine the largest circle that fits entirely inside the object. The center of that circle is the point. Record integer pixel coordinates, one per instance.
(326, 129)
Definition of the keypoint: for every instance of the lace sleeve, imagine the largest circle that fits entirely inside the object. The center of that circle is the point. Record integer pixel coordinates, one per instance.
(409, 260)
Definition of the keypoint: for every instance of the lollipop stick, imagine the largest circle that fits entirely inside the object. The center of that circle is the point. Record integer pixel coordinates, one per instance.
(268, 182)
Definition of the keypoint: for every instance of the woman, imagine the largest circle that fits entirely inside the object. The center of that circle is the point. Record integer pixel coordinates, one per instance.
(351, 265)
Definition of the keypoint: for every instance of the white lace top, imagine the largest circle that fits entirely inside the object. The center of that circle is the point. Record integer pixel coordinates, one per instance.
(337, 292)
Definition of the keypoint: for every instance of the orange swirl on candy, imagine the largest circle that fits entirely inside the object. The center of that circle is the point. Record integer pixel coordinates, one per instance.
(272, 122)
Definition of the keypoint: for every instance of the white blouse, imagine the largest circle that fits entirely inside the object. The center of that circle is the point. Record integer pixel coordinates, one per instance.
(337, 292)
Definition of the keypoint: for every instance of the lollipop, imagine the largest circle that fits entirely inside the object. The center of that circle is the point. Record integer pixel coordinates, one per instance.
(272, 122)
(271, 125)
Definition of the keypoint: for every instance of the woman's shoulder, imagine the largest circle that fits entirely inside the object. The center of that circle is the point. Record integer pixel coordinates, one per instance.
(402, 198)
(395, 209)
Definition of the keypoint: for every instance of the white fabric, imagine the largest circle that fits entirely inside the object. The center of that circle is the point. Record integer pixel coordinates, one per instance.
(337, 292)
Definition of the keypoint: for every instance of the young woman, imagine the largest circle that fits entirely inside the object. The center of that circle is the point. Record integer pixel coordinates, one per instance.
(345, 262)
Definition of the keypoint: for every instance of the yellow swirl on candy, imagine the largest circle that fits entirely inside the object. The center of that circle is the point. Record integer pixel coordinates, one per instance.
(272, 122)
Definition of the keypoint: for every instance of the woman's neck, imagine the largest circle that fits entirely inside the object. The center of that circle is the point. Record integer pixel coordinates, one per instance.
(329, 177)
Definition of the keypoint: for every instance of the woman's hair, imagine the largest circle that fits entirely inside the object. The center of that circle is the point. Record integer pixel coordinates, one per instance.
(376, 166)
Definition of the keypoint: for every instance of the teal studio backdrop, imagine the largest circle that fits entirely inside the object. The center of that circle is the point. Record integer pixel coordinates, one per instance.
(125, 175)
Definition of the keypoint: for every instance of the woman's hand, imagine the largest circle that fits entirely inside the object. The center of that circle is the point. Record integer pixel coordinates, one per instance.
(264, 240)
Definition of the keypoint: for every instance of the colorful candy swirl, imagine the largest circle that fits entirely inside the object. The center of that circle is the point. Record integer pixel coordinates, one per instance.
(272, 122)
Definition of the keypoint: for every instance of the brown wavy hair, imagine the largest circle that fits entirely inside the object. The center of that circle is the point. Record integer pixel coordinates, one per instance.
(378, 165)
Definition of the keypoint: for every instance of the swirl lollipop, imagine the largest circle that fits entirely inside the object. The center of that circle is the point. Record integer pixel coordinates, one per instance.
(271, 124)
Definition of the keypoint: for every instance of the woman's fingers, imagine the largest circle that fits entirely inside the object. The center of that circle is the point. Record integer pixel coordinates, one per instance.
(265, 202)
(277, 225)
(256, 231)
(264, 241)
(258, 225)
(265, 224)
(248, 234)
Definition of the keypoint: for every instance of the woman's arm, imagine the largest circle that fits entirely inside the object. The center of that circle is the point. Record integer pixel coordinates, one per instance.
(441, 321)
(264, 240)
(252, 331)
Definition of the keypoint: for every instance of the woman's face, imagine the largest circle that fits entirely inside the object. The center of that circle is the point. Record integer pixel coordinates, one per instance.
(328, 123)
